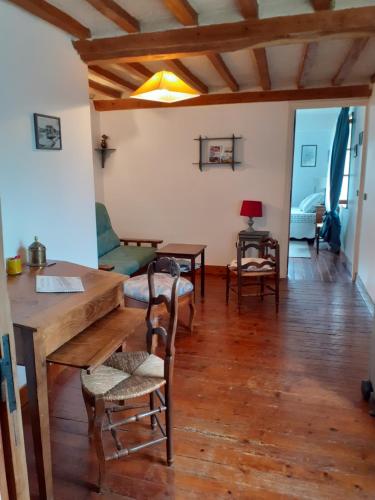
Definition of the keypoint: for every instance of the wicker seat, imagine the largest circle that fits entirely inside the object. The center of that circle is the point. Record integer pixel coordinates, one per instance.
(129, 375)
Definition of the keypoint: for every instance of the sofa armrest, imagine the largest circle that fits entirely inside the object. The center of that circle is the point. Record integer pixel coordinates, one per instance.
(106, 267)
(153, 243)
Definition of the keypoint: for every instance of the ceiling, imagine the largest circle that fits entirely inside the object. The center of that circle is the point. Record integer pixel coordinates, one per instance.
(284, 61)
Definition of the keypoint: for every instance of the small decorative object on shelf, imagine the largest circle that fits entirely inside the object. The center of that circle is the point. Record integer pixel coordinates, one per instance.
(103, 143)
(217, 154)
(104, 149)
(37, 254)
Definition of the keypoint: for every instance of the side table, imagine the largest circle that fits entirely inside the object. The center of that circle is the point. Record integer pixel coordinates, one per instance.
(252, 236)
(186, 251)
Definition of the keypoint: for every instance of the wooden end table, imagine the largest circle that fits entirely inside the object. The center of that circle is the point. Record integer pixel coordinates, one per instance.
(186, 251)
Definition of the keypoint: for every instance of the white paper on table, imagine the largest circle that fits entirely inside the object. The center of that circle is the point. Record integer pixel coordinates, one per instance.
(58, 284)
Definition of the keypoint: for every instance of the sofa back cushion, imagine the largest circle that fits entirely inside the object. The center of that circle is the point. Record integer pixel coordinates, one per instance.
(107, 238)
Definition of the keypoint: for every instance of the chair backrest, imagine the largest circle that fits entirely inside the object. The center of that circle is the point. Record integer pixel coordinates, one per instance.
(107, 238)
(268, 249)
(320, 211)
(167, 333)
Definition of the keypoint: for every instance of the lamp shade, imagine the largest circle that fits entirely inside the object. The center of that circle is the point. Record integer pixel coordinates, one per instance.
(251, 208)
(165, 86)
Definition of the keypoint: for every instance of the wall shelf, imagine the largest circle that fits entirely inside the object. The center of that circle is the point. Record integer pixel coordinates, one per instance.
(232, 163)
(104, 152)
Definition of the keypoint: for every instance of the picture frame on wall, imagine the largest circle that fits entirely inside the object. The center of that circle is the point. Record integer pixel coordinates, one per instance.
(47, 131)
(308, 155)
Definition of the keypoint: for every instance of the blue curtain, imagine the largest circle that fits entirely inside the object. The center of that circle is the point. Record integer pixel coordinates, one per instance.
(331, 229)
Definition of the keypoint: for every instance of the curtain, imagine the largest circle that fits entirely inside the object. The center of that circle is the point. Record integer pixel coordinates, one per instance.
(331, 229)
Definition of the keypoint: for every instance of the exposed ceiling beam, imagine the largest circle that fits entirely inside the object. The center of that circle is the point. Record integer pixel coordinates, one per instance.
(252, 33)
(350, 59)
(137, 69)
(260, 58)
(308, 59)
(248, 8)
(323, 4)
(185, 74)
(118, 15)
(223, 70)
(356, 91)
(54, 16)
(182, 11)
(112, 77)
(104, 89)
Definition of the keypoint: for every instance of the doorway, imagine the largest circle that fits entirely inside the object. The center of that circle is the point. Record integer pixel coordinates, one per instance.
(310, 257)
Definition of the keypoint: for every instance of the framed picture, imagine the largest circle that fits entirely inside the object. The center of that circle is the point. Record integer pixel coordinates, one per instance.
(47, 132)
(214, 153)
(308, 155)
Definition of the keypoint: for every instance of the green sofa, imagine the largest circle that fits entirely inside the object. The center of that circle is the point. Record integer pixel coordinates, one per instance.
(117, 254)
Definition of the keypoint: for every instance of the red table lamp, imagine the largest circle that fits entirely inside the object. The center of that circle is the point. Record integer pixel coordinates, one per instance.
(251, 209)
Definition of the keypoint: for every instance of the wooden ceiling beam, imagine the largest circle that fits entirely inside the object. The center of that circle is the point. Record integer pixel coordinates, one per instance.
(350, 59)
(218, 63)
(55, 16)
(118, 15)
(185, 74)
(248, 8)
(322, 4)
(308, 59)
(105, 90)
(349, 92)
(182, 11)
(260, 58)
(137, 69)
(251, 33)
(112, 77)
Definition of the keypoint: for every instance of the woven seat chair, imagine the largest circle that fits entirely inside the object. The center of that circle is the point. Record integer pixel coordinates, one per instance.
(136, 294)
(256, 272)
(129, 375)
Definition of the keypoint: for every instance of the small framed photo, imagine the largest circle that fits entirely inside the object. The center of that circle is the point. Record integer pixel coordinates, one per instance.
(308, 155)
(47, 132)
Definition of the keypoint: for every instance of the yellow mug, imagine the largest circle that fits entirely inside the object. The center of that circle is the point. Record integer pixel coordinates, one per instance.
(14, 265)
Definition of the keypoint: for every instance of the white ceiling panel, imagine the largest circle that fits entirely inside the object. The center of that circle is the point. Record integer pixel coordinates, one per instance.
(284, 63)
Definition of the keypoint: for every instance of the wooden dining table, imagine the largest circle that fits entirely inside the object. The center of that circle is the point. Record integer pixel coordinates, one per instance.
(43, 322)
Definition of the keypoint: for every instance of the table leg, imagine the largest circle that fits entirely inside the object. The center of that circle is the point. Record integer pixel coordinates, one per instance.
(192, 264)
(203, 273)
(36, 379)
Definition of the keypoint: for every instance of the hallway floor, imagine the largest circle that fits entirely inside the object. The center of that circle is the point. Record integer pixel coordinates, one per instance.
(266, 406)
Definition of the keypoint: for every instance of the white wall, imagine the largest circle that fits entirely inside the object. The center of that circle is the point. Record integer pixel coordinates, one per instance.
(314, 127)
(348, 215)
(152, 188)
(366, 267)
(44, 193)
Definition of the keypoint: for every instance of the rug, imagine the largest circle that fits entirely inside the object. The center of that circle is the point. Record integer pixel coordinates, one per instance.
(299, 249)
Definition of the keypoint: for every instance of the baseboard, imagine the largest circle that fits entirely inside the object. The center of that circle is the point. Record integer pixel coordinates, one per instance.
(365, 295)
(216, 270)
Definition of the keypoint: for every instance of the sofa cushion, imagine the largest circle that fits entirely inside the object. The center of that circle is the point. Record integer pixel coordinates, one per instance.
(107, 238)
(128, 259)
(137, 287)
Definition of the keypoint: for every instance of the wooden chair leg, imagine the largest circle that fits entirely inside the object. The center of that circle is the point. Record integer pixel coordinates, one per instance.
(98, 440)
(277, 292)
(168, 424)
(152, 407)
(227, 286)
(191, 312)
(239, 296)
(90, 413)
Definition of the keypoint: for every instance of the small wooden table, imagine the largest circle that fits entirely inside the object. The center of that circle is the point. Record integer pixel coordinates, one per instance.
(43, 322)
(186, 251)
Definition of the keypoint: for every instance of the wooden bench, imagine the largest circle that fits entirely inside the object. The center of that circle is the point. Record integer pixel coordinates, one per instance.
(98, 342)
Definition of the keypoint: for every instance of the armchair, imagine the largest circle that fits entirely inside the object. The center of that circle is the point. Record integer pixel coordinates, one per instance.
(117, 254)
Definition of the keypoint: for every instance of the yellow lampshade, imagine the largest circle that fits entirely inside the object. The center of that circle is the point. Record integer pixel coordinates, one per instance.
(165, 86)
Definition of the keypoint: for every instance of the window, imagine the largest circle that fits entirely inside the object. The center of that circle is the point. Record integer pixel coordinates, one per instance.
(344, 195)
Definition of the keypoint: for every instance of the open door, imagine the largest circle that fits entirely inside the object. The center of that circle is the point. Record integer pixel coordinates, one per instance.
(13, 471)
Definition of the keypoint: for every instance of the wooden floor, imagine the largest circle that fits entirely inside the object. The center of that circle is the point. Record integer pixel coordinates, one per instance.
(266, 407)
